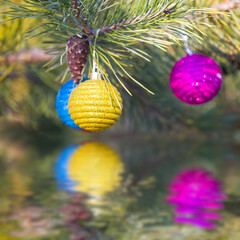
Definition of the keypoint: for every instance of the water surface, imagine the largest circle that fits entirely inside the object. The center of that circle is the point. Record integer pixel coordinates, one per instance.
(155, 188)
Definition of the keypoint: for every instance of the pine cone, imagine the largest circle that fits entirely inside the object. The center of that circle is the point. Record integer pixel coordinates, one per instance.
(77, 50)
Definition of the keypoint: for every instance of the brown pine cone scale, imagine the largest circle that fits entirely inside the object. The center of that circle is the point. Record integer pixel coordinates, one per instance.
(77, 50)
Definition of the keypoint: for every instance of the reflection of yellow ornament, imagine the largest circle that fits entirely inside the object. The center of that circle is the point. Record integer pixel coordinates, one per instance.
(95, 168)
(95, 105)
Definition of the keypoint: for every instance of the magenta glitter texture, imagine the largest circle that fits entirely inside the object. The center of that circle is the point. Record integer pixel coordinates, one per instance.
(196, 79)
(197, 196)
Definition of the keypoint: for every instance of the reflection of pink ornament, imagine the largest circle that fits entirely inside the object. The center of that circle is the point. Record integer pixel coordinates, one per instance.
(196, 194)
(196, 79)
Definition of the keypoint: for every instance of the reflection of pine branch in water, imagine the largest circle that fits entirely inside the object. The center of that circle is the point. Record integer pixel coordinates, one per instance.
(75, 210)
(33, 223)
(76, 217)
(34, 55)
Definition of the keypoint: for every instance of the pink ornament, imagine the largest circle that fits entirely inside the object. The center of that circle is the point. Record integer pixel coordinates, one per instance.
(196, 79)
(197, 196)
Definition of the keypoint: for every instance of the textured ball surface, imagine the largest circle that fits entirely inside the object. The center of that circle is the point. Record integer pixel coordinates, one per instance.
(196, 79)
(95, 105)
(95, 168)
(62, 104)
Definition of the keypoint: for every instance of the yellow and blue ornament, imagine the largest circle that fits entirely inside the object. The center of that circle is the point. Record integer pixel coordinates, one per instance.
(62, 104)
(95, 105)
(93, 168)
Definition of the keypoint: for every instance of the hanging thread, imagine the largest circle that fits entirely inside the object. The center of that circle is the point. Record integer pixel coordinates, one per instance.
(95, 68)
(189, 51)
(95, 72)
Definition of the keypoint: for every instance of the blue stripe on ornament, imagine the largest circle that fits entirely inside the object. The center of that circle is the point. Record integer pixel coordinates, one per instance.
(62, 104)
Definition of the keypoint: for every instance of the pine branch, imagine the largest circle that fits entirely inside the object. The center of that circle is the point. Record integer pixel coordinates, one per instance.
(83, 22)
(222, 43)
(228, 5)
(34, 55)
(145, 102)
(138, 19)
(126, 24)
(76, 8)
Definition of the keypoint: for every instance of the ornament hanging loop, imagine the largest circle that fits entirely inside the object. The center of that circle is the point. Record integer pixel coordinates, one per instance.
(189, 51)
(95, 73)
(95, 68)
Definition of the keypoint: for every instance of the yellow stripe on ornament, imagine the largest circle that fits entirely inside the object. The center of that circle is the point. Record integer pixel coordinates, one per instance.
(95, 105)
